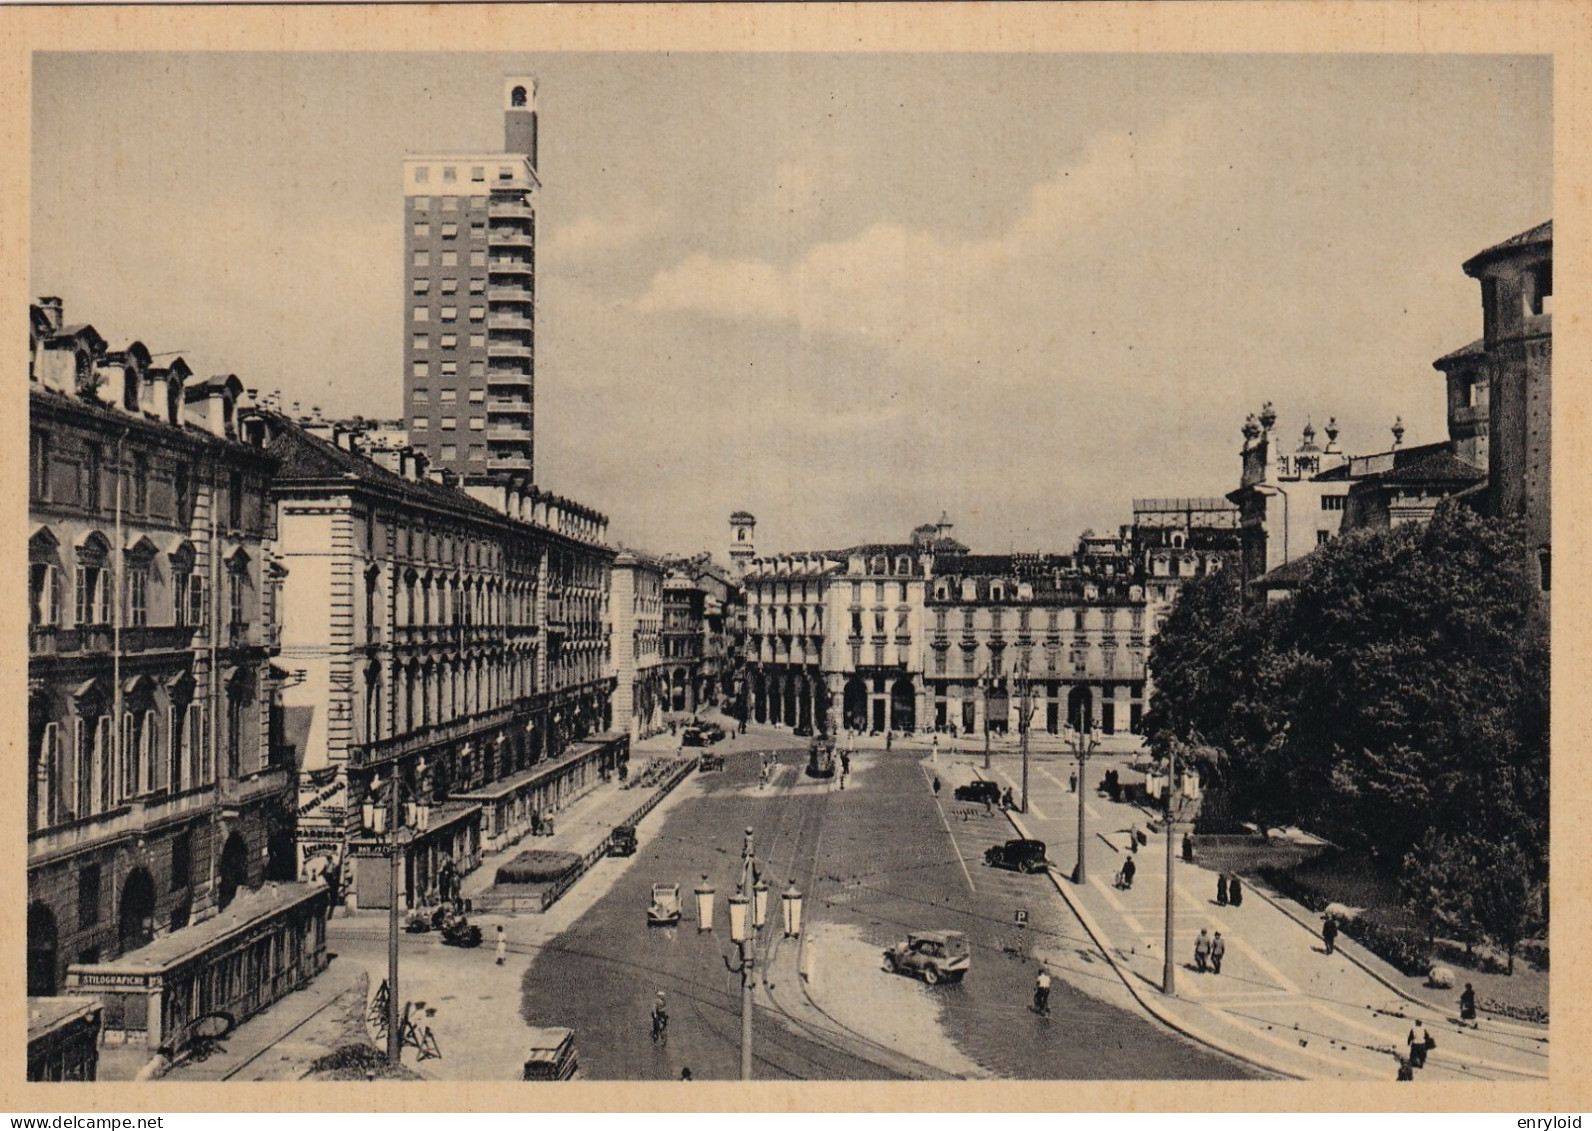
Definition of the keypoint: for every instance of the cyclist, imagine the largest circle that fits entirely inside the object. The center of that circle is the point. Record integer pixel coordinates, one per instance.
(660, 1018)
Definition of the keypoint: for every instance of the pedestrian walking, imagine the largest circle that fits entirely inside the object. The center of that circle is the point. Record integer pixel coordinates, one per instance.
(936, 785)
(1042, 993)
(685, 1073)
(1421, 1042)
(1235, 892)
(1467, 1005)
(1202, 950)
(1218, 951)
(1072, 782)
(502, 945)
(1329, 932)
(1188, 849)
(1221, 890)
(1128, 869)
(889, 738)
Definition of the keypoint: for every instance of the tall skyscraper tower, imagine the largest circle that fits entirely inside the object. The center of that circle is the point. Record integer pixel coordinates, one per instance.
(470, 299)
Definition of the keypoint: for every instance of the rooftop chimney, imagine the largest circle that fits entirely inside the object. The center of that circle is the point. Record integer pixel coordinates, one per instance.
(53, 310)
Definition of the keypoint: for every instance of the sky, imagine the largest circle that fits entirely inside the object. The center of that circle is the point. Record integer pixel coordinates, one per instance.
(843, 292)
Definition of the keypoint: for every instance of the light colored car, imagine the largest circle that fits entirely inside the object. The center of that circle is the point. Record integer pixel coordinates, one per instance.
(665, 908)
(934, 956)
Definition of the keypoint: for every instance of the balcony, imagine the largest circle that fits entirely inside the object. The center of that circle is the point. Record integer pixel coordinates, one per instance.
(425, 737)
(509, 463)
(522, 295)
(506, 265)
(508, 377)
(509, 435)
(496, 321)
(508, 405)
(515, 209)
(235, 793)
(510, 237)
(131, 817)
(52, 640)
(508, 349)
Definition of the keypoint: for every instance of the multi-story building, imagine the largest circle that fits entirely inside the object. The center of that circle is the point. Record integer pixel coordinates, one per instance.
(456, 641)
(159, 791)
(636, 598)
(470, 299)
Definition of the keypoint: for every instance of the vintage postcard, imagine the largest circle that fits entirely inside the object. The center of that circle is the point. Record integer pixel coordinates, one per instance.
(988, 557)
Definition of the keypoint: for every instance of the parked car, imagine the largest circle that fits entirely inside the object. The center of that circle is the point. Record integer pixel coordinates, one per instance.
(934, 956)
(692, 736)
(712, 732)
(709, 762)
(551, 1055)
(1018, 855)
(622, 841)
(664, 910)
(978, 791)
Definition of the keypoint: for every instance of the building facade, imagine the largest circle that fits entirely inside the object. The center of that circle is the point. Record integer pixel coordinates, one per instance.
(456, 642)
(470, 299)
(1516, 279)
(637, 602)
(159, 791)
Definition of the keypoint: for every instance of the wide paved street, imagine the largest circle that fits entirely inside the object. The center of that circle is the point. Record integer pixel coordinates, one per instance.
(877, 859)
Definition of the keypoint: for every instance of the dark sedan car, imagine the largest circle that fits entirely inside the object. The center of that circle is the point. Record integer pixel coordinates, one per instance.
(979, 791)
(1018, 855)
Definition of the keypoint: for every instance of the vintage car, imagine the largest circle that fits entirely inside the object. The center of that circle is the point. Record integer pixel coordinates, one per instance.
(692, 736)
(622, 841)
(664, 910)
(1018, 855)
(551, 1055)
(978, 791)
(712, 733)
(708, 763)
(934, 956)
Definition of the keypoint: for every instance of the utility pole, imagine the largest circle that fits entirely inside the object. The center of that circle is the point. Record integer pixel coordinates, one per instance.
(395, 1043)
(1169, 966)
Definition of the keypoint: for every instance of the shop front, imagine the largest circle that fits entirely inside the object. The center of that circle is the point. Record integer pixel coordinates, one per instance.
(266, 944)
(451, 831)
(511, 807)
(63, 1038)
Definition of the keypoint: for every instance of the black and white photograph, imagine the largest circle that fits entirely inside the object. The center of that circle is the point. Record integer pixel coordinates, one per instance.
(784, 565)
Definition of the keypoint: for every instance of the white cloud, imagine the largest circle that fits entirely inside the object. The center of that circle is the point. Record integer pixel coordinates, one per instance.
(595, 235)
(905, 287)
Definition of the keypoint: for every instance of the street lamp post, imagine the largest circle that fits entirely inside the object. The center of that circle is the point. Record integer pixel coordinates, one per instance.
(389, 822)
(983, 684)
(1083, 745)
(1025, 690)
(1175, 808)
(750, 901)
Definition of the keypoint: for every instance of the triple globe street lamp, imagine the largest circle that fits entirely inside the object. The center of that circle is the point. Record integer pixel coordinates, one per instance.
(387, 819)
(748, 915)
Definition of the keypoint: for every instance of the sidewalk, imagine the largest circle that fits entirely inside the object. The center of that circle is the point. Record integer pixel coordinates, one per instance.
(581, 826)
(1280, 1002)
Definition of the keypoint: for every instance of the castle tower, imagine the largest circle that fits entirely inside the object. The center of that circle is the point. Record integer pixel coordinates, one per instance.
(742, 529)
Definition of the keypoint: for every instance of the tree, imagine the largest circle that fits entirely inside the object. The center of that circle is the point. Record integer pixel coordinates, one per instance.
(1402, 689)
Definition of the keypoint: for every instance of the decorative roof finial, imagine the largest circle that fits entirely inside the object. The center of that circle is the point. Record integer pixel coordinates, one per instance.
(1251, 429)
(1398, 431)
(1268, 416)
(1332, 429)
